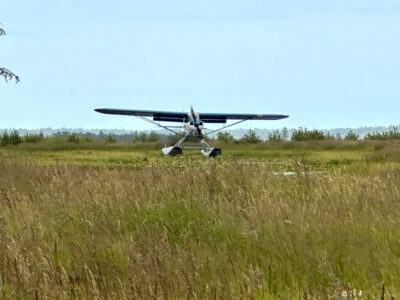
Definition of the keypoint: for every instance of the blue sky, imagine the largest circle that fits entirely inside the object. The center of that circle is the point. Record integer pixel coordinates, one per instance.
(325, 63)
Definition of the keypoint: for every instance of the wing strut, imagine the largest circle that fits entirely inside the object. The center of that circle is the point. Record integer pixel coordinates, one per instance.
(226, 126)
(159, 125)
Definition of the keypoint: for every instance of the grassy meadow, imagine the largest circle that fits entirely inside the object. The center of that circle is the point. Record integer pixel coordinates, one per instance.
(291, 220)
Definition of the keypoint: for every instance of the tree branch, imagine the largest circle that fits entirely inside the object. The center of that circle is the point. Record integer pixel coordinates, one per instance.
(8, 75)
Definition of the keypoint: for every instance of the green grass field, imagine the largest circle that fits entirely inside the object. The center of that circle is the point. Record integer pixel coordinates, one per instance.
(310, 220)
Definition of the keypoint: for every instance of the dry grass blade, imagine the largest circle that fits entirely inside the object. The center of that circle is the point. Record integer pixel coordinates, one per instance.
(192, 228)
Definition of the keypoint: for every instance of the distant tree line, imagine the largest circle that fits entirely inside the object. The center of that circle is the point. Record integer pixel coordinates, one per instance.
(304, 135)
(12, 137)
(276, 136)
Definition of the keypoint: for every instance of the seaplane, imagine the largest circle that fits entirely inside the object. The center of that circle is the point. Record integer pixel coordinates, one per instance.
(192, 124)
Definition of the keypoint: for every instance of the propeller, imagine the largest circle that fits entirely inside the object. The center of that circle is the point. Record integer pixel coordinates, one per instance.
(193, 114)
(196, 122)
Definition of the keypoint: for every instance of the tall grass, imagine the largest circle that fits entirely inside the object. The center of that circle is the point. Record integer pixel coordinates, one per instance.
(219, 229)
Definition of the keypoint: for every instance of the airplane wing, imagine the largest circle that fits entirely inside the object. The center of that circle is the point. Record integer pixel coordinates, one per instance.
(183, 117)
(166, 116)
(214, 117)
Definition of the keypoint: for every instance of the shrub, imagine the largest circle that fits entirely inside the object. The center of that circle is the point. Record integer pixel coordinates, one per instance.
(329, 136)
(15, 138)
(110, 139)
(351, 136)
(33, 138)
(5, 139)
(275, 136)
(392, 134)
(153, 137)
(140, 137)
(73, 138)
(225, 137)
(250, 137)
(303, 134)
(87, 138)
